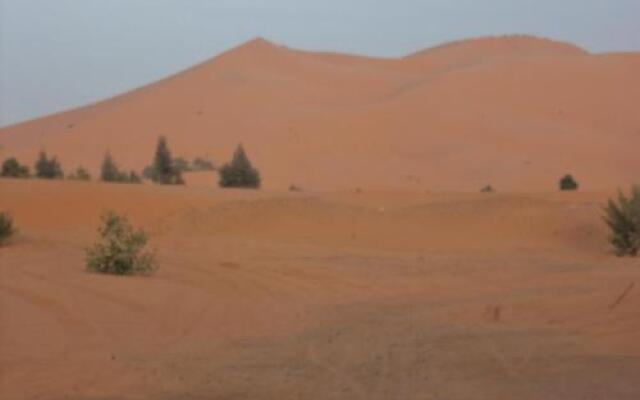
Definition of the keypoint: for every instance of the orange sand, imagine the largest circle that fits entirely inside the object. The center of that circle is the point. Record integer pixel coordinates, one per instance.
(517, 112)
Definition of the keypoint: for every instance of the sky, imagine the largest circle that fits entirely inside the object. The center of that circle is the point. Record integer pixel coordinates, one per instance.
(60, 54)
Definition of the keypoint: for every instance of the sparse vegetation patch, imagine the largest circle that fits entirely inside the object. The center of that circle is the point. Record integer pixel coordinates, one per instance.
(622, 215)
(121, 249)
(6, 227)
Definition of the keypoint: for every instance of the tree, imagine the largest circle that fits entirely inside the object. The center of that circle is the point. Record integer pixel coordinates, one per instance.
(109, 171)
(239, 173)
(623, 218)
(163, 169)
(568, 183)
(48, 168)
(11, 168)
(121, 249)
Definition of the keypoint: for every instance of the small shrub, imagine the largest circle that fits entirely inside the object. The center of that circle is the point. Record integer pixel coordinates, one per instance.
(239, 173)
(111, 173)
(568, 183)
(80, 174)
(121, 249)
(181, 164)
(295, 188)
(48, 168)
(623, 218)
(11, 168)
(201, 164)
(488, 189)
(6, 227)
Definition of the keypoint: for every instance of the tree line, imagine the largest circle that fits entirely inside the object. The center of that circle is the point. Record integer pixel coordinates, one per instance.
(163, 170)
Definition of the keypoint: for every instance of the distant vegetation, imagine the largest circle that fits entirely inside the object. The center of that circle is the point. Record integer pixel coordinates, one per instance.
(48, 168)
(568, 183)
(11, 168)
(110, 172)
(201, 164)
(6, 227)
(80, 174)
(164, 170)
(239, 173)
(623, 218)
(121, 249)
(488, 189)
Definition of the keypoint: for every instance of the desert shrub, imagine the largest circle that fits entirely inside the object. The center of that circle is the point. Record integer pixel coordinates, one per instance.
(201, 164)
(239, 173)
(488, 189)
(6, 227)
(295, 188)
(623, 218)
(181, 164)
(48, 168)
(163, 169)
(111, 173)
(121, 249)
(568, 183)
(11, 168)
(80, 174)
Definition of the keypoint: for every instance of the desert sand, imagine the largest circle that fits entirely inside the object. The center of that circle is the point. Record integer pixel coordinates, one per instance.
(516, 112)
(415, 286)
(331, 295)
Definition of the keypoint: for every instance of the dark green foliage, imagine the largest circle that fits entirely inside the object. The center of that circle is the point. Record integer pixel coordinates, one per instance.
(567, 183)
(121, 249)
(488, 189)
(111, 173)
(11, 168)
(623, 218)
(201, 164)
(48, 168)
(181, 164)
(6, 227)
(163, 169)
(239, 173)
(80, 174)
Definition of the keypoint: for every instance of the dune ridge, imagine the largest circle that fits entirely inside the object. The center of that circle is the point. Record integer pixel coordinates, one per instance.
(516, 111)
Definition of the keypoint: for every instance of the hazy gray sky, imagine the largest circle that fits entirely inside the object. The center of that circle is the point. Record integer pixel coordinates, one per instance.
(58, 54)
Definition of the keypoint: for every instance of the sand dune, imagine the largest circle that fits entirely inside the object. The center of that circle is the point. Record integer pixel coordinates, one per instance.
(378, 295)
(512, 111)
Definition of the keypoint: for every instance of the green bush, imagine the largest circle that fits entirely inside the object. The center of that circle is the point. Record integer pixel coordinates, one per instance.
(80, 174)
(111, 173)
(568, 183)
(48, 168)
(239, 173)
(121, 249)
(164, 170)
(6, 227)
(623, 218)
(11, 168)
(201, 164)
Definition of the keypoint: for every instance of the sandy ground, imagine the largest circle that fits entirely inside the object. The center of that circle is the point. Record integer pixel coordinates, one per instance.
(327, 295)
(515, 112)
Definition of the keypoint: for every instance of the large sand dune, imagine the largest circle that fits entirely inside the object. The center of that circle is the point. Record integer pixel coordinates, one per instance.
(516, 112)
(378, 295)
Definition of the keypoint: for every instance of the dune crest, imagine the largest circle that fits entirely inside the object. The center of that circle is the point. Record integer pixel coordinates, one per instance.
(512, 111)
